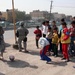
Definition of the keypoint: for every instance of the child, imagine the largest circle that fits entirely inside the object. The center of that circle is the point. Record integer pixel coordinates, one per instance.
(49, 38)
(55, 42)
(65, 40)
(45, 46)
(72, 34)
(45, 26)
(38, 34)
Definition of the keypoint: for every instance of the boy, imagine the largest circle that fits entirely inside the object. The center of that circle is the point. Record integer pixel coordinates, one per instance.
(38, 34)
(45, 46)
(72, 34)
(49, 38)
(65, 40)
(60, 32)
(54, 25)
(55, 42)
(45, 26)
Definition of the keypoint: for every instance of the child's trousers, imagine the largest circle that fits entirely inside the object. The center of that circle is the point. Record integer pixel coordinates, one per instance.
(55, 49)
(65, 50)
(43, 54)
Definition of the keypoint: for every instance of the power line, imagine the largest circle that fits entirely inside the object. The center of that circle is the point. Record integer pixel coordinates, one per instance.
(63, 7)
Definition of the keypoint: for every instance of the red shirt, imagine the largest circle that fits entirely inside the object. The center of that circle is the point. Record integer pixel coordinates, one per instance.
(72, 32)
(38, 33)
(67, 34)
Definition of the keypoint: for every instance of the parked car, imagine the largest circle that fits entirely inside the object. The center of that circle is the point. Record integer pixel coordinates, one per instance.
(4, 24)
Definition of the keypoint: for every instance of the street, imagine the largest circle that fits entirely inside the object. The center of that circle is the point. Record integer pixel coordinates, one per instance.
(30, 63)
(9, 34)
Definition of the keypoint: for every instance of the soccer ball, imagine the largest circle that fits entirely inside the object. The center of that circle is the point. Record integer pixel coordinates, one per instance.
(12, 58)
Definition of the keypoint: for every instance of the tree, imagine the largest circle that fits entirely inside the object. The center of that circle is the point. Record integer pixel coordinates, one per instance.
(20, 15)
(27, 17)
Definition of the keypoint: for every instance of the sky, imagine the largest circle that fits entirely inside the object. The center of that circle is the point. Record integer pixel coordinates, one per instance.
(61, 6)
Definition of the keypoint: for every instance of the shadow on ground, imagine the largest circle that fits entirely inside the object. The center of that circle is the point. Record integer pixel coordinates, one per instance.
(59, 63)
(34, 52)
(1, 73)
(7, 45)
(19, 64)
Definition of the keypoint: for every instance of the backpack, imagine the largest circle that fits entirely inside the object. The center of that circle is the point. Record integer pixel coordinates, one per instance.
(17, 34)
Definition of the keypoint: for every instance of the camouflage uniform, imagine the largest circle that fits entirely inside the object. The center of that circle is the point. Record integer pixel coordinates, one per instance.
(22, 33)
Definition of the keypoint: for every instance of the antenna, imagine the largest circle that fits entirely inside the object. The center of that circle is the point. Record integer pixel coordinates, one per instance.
(50, 9)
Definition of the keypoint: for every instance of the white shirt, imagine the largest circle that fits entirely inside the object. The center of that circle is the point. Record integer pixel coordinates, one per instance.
(44, 29)
(43, 42)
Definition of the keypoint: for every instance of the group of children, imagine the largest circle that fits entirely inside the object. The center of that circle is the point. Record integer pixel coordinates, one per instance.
(51, 40)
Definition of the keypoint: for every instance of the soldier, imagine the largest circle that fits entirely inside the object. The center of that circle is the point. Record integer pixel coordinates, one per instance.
(22, 33)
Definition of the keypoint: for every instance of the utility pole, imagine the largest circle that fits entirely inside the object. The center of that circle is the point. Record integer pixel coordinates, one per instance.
(13, 14)
(50, 9)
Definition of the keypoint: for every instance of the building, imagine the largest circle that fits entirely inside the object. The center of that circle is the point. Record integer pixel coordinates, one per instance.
(9, 15)
(19, 15)
(68, 18)
(6, 15)
(58, 16)
(37, 14)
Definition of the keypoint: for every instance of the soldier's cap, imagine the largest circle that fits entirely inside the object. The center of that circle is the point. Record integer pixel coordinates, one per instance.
(21, 23)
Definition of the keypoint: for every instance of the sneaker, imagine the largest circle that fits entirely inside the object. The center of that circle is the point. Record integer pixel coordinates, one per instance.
(49, 62)
(67, 60)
